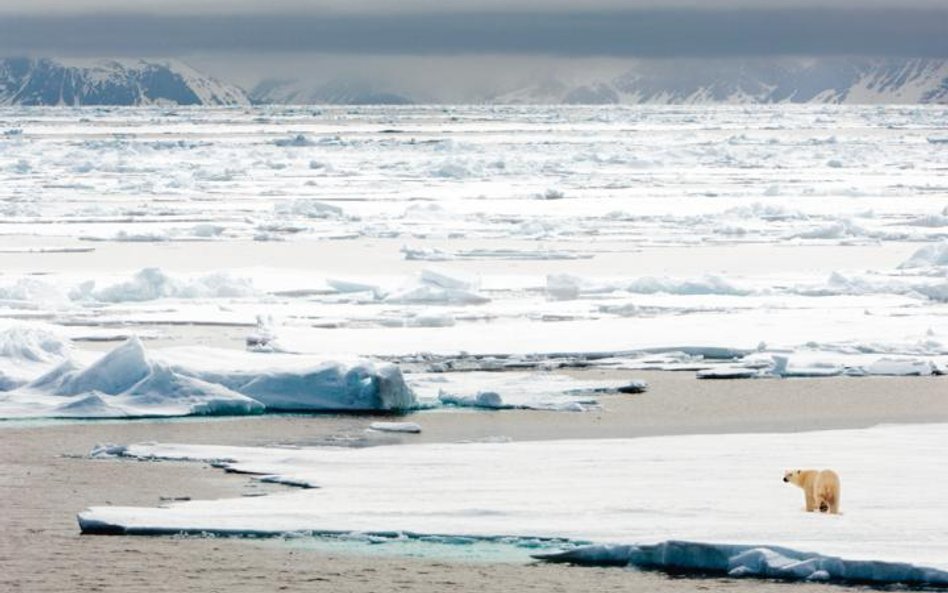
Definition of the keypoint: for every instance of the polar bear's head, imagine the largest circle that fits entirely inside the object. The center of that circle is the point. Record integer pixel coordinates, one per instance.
(793, 476)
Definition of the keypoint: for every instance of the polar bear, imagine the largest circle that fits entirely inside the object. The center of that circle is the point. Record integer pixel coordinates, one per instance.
(820, 487)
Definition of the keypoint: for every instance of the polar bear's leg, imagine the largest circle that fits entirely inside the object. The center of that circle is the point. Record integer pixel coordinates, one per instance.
(833, 501)
(827, 496)
(810, 502)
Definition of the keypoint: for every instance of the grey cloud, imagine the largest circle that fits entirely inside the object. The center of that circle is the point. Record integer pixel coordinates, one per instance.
(376, 7)
(643, 32)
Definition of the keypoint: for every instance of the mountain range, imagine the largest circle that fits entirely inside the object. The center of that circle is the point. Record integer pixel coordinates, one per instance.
(44, 81)
(826, 80)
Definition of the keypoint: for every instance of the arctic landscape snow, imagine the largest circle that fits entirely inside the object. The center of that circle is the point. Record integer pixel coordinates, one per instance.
(372, 279)
(423, 260)
(748, 241)
(638, 492)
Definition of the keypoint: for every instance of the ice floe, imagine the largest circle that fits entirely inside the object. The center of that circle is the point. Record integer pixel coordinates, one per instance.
(633, 499)
(43, 375)
(130, 381)
(308, 209)
(515, 390)
(408, 427)
(153, 283)
(761, 561)
(27, 352)
(432, 254)
(930, 255)
(434, 294)
(814, 364)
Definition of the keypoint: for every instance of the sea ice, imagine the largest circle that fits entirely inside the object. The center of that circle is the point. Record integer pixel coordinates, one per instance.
(427, 254)
(130, 381)
(426, 294)
(929, 255)
(26, 352)
(901, 367)
(409, 427)
(449, 280)
(771, 562)
(308, 208)
(728, 372)
(438, 287)
(152, 283)
(708, 284)
(636, 495)
(706, 246)
(515, 390)
(815, 364)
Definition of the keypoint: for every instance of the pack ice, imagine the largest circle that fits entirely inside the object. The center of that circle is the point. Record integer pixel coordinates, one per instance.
(561, 229)
(516, 390)
(131, 381)
(628, 501)
(43, 375)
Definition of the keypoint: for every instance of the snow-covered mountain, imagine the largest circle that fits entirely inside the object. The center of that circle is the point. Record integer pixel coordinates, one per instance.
(26, 81)
(761, 80)
(337, 92)
(826, 80)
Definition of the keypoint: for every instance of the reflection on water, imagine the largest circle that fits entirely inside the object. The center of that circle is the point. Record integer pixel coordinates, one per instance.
(455, 549)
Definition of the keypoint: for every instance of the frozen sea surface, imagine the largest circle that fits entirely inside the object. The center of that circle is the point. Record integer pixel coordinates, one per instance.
(814, 234)
(43, 375)
(130, 381)
(629, 496)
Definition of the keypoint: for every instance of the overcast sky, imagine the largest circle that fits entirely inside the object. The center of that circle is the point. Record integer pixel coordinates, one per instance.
(219, 7)
(242, 36)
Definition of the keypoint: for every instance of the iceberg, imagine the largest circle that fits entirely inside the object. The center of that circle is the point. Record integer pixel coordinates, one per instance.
(436, 295)
(450, 280)
(705, 285)
(569, 287)
(490, 400)
(297, 141)
(439, 288)
(928, 256)
(30, 293)
(130, 381)
(307, 208)
(32, 345)
(325, 386)
(153, 283)
(901, 367)
(26, 352)
(563, 287)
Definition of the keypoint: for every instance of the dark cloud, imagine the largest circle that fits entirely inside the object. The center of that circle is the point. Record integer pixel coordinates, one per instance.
(389, 7)
(643, 32)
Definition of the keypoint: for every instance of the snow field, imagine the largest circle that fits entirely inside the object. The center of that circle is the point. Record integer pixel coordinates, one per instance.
(637, 492)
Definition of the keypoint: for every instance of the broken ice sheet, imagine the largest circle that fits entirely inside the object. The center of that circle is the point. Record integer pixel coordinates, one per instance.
(618, 491)
(512, 389)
